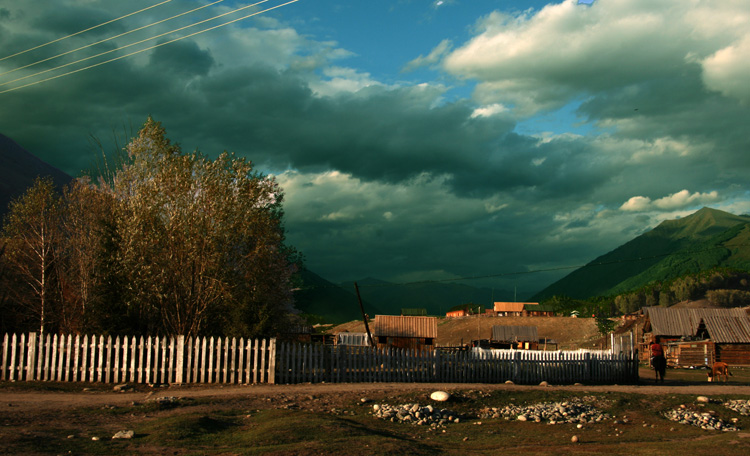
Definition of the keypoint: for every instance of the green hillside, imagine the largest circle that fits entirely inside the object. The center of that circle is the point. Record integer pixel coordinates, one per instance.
(328, 301)
(700, 241)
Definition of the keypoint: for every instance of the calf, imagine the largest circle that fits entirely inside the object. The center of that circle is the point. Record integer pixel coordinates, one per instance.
(719, 369)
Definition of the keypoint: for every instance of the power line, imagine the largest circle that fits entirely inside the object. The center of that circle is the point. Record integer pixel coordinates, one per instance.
(84, 31)
(140, 42)
(100, 42)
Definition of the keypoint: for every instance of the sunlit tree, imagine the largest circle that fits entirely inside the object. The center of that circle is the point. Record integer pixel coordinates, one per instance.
(31, 233)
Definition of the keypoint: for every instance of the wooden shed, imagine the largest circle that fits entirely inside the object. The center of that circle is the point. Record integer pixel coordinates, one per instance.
(696, 337)
(405, 332)
(520, 337)
(538, 310)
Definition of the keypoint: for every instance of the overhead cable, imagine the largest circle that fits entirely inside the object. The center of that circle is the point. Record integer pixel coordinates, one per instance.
(141, 42)
(84, 31)
(105, 40)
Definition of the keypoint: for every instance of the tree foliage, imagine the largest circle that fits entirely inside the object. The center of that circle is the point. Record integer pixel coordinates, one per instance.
(167, 243)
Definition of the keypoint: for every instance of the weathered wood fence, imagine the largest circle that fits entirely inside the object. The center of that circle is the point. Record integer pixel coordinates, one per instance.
(297, 363)
(136, 359)
(81, 358)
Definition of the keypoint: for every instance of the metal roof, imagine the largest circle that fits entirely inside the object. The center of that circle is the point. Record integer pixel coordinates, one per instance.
(394, 326)
(728, 330)
(514, 333)
(723, 325)
(511, 306)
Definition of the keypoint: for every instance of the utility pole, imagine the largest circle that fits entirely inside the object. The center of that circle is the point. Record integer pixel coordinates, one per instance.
(364, 316)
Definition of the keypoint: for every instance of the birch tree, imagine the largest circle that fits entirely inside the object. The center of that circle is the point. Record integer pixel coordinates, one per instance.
(31, 232)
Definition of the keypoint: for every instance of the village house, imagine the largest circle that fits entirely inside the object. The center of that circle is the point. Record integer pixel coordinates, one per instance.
(518, 337)
(538, 310)
(698, 337)
(511, 309)
(417, 333)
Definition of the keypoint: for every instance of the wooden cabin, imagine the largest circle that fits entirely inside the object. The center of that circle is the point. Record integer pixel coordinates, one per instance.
(518, 337)
(698, 337)
(417, 333)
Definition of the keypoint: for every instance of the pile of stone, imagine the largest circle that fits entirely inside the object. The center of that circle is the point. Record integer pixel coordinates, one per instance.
(573, 411)
(740, 406)
(415, 414)
(703, 420)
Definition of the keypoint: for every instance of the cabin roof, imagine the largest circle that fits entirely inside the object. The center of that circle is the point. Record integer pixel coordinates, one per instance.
(396, 326)
(514, 333)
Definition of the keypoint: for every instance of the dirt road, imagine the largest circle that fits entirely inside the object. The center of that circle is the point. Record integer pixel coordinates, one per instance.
(19, 398)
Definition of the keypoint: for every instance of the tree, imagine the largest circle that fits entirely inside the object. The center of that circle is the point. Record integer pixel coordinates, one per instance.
(31, 232)
(200, 241)
(84, 212)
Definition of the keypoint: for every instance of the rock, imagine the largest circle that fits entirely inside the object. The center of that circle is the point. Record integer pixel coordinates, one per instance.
(509, 382)
(544, 384)
(376, 407)
(440, 396)
(702, 399)
(574, 439)
(94, 438)
(522, 418)
(124, 435)
(123, 388)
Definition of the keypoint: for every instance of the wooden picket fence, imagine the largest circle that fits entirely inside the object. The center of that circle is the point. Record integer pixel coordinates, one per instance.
(157, 360)
(178, 360)
(297, 363)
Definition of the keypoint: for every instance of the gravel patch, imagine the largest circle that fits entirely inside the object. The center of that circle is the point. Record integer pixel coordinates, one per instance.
(572, 411)
(415, 414)
(703, 420)
(740, 406)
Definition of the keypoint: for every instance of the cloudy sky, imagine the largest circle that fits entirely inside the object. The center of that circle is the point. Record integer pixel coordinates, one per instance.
(415, 139)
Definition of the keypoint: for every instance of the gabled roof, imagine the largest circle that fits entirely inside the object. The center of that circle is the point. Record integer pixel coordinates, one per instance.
(539, 307)
(728, 330)
(723, 325)
(514, 333)
(394, 326)
(512, 306)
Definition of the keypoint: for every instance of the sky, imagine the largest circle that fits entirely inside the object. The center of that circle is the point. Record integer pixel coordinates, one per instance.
(502, 141)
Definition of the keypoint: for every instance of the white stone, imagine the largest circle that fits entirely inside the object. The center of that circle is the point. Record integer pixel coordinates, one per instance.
(124, 435)
(702, 399)
(440, 396)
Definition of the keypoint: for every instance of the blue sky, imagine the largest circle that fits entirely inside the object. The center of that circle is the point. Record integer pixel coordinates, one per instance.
(418, 140)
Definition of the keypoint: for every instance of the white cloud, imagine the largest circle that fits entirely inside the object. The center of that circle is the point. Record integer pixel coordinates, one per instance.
(728, 70)
(679, 200)
(540, 60)
(432, 58)
(489, 110)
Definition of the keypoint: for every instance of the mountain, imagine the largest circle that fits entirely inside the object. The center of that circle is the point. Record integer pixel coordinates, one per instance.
(436, 297)
(705, 239)
(331, 302)
(18, 169)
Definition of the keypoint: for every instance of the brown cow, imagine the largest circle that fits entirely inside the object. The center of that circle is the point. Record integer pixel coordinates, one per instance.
(719, 369)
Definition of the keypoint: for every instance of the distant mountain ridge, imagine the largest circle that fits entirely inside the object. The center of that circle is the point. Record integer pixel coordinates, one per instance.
(18, 169)
(703, 240)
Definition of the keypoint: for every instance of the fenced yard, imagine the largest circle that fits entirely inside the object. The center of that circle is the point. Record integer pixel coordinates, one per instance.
(81, 358)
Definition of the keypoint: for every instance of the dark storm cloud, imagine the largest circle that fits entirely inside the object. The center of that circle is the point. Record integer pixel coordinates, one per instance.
(406, 180)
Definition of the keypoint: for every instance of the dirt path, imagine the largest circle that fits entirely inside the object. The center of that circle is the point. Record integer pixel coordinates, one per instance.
(21, 399)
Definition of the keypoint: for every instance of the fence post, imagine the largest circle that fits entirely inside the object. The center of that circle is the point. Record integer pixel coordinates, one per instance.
(180, 360)
(272, 362)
